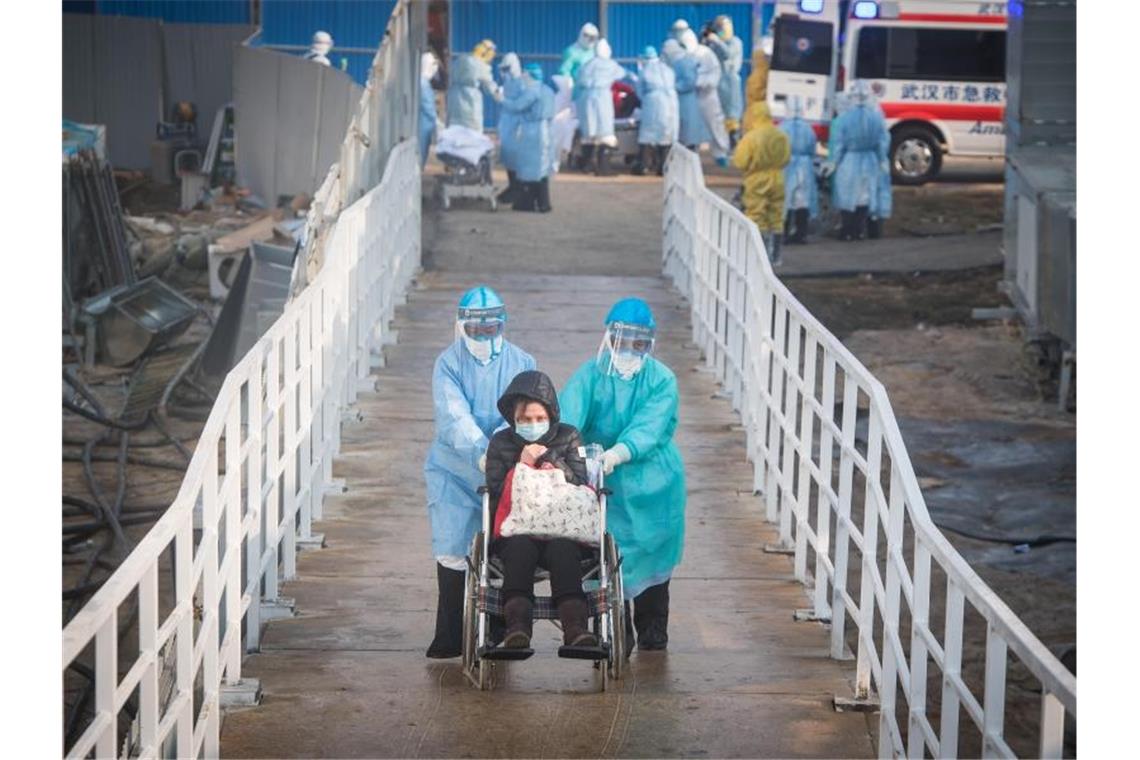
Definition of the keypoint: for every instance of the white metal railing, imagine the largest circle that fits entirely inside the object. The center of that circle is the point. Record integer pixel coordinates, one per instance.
(787, 375)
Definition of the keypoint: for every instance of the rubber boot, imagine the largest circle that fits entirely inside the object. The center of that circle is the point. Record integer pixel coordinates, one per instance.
(788, 216)
(518, 612)
(602, 161)
(524, 197)
(860, 222)
(573, 614)
(508, 195)
(448, 641)
(543, 195)
(801, 226)
(651, 616)
(587, 160)
(846, 226)
(662, 154)
(874, 228)
(642, 163)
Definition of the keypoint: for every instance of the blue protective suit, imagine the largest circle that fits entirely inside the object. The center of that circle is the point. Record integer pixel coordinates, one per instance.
(465, 395)
(729, 89)
(509, 124)
(464, 101)
(593, 99)
(657, 91)
(883, 203)
(860, 142)
(692, 129)
(533, 108)
(647, 509)
(800, 189)
(427, 119)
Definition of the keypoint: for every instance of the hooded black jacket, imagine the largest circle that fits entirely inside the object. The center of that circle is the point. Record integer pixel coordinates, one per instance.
(563, 443)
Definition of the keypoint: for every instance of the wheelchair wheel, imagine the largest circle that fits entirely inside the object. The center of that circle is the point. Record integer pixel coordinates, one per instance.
(477, 670)
(619, 651)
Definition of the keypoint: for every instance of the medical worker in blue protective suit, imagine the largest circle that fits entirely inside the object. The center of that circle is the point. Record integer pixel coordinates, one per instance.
(468, 379)
(730, 52)
(510, 74)
(470, 77)
(883, 203)
(429, 66)
(801, 197)
(626, 400)
(533, 107)
(707, 97)
(657, 91)
(691, 125)
(594, 102)
(860, 142)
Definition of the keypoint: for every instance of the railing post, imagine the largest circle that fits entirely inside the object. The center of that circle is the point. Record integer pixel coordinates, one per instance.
(253, 547)
(106, 682)
(952, 668)
(920, 620)
(148, 647)
(231, 557)
(994, 704)
(273, 466)
(870, 555)
(843, 516)
(184, 661)
(823, 506)
(788, 391)
(211, 600)
(289, 455)
(1052, 726)
(889, 735)
(807, 438)
(772, 382)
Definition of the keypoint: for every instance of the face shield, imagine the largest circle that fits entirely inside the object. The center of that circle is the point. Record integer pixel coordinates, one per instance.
(482, 331)
(624, 348)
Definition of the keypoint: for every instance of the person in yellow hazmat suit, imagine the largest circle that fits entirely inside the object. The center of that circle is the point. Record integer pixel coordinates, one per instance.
(756, 86)
(761, 156)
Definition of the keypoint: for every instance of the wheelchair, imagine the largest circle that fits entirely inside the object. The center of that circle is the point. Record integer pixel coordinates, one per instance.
(601, 578)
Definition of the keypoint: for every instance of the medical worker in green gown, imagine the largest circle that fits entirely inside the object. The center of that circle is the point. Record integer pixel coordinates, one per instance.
(626, 400)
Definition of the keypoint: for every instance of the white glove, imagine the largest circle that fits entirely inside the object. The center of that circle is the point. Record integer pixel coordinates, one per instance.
(612, 457)
(483, 463)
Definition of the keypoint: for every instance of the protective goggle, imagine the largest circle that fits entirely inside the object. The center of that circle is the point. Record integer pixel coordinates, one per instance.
(483, 330)
(636, 339)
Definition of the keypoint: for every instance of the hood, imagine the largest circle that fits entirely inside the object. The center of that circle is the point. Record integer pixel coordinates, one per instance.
(534, 386)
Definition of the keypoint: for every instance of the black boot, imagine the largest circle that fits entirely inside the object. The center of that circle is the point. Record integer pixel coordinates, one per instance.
(801, 226)
(642, 163)
(651, 616)
(662, 154)
(788, 216)
(524, 197)
(874, 228)
(448, 641)
(602, 161)
(518, 612)
(543, 195)
(847, 225)
(586, 163)
(508, 195)
(860, 222)
(573, 614)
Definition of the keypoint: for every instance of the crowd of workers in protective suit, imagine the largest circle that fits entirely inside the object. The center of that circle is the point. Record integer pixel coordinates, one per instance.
(692, 94)
(493, 410)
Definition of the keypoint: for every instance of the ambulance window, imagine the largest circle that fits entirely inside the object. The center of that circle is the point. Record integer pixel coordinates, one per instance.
(946, 54)
(871, 53)
(801, 46)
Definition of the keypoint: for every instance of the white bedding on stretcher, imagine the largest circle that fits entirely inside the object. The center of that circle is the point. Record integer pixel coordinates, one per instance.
(464, 143)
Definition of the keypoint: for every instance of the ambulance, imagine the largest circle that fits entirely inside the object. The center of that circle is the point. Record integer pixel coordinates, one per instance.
(936, 68)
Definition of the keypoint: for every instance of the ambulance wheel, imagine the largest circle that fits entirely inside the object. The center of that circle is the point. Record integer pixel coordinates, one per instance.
(916, 155)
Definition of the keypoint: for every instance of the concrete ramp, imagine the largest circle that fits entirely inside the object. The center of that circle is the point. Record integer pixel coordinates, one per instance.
(347, 676)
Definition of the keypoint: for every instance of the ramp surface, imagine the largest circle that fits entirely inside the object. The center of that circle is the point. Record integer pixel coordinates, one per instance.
(347, 676)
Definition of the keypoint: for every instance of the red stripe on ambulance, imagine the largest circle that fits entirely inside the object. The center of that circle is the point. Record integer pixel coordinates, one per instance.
(948, 18)
(943, 112)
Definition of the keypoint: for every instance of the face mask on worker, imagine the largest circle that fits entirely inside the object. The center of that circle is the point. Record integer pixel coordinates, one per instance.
(532, 431)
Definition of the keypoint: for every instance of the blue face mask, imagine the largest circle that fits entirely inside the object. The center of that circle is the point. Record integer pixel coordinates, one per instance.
(532, 431)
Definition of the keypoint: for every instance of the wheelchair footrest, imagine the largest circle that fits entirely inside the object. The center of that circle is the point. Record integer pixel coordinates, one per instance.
(600, 652)
(505, 653)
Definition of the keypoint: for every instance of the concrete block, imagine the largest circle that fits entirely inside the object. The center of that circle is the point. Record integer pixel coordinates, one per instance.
(315, 541)
(779, 549)
(245, 693)
(281, 608)
(851, 704)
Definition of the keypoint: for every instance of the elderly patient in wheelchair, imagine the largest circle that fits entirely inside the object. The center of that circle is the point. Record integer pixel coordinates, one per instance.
(540, 510)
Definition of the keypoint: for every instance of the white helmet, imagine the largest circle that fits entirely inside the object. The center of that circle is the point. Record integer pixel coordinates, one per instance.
(689, 40)
(588, 35)
(603, 50)
(679, 26)
(322, 42)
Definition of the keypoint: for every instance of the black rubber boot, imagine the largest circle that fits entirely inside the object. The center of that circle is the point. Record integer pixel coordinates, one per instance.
(586, 163)
(543, 199)
(874, 228)
(662, 154)
(524, 197)
(846, 225)
(641, 165)
(801, 226)
(651, 616)
(788, 216)
(573, 613)
(860, 222)
(518, 612)
(602, 161)
(448, 641)
(508, 195)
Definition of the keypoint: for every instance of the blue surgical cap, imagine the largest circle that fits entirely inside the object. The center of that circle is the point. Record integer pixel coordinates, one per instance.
(632, 311)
